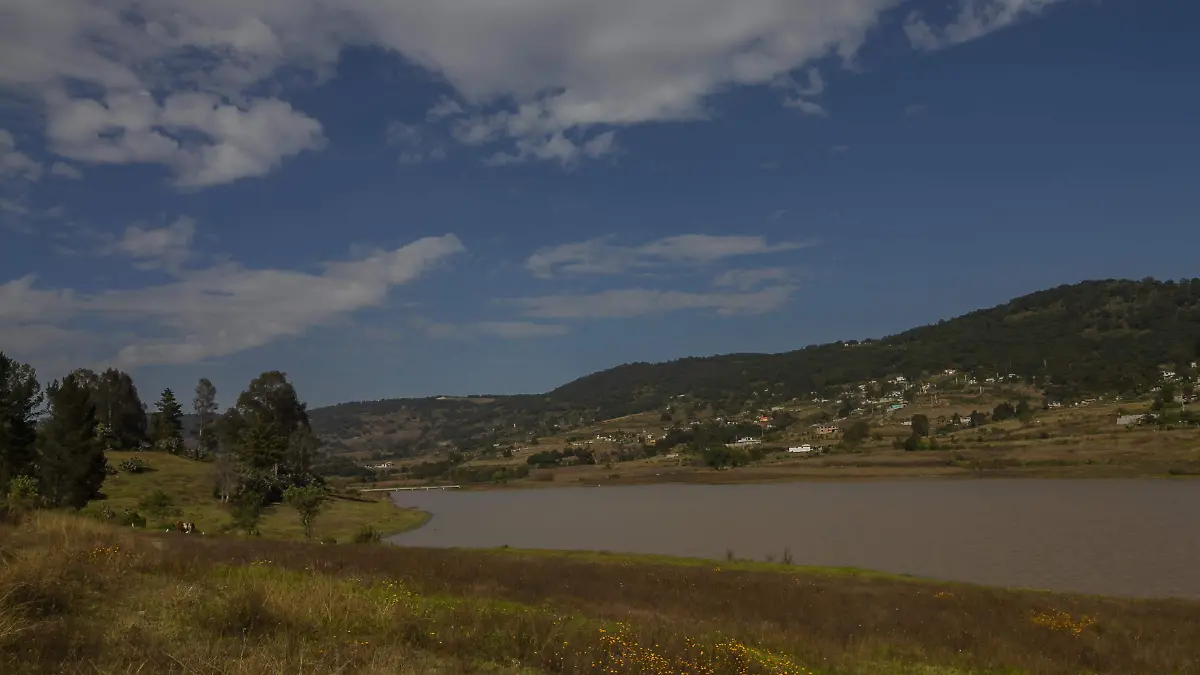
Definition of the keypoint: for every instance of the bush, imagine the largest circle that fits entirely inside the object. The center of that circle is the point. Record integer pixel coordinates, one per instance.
(368, 535)
(132, 466)
(159, 505)
(131, 519)
(22, 495)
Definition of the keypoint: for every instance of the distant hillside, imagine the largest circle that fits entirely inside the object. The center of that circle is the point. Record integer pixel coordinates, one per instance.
(1090, 337)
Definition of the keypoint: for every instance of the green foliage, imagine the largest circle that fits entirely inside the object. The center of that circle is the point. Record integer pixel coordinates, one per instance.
(20, 401)
(856, 433)
(246, 511)
(166, 425)
(131, 519)
(1004, 411)
(368, 535)
(204, 410)
(159, 505)
(920, 425)
(71, 464)
(22, 495)
(1024, 411)
(307, 501)
(132, 466)
(118, 407)
(549, 458)
(722, 457)
(268, 428)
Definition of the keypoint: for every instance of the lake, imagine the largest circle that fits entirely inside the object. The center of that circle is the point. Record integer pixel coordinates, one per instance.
(1115, 537)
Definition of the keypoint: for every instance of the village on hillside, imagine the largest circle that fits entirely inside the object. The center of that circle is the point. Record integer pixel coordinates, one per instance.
(953, 421)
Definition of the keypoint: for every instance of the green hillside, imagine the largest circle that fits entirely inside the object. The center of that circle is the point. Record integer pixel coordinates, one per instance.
(1093, 337)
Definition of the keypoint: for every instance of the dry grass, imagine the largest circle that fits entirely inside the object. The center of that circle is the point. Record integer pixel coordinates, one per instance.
(189, 484)
(80, 597)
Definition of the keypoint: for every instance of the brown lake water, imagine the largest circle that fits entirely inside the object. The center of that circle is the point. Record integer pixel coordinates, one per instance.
(1126, 537)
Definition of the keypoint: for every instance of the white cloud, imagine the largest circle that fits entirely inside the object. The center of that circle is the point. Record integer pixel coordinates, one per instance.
(167, 247)
(806, 107)
(599, 257)
(227, 308)
(975, 19)
(803, 92)
(505, 330)
(546, 78)
(205, 141)
(16, 165)
(631, 302)
(64, 170)
(747, 279)
(543, 75)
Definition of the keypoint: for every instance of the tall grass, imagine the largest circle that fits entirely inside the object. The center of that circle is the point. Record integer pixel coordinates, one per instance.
(78, 596)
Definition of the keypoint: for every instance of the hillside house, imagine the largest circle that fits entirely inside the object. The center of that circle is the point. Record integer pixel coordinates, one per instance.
(826, 429)
(801, 449)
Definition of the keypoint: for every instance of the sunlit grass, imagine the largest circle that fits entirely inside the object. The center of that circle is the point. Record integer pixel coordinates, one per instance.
(189, 484)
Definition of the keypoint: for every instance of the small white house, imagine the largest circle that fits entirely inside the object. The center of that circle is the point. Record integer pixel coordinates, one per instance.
(801, 448)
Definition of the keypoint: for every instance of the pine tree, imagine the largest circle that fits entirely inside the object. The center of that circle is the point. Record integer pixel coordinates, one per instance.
(20, 400)
(71, 462)
(166, 425)
(205, 408)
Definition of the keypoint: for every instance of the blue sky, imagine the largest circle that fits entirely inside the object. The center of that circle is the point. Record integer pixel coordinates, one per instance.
(406, 199)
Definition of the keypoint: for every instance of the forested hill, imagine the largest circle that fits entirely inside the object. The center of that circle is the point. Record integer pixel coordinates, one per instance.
(1090, 337)
(1093, 336)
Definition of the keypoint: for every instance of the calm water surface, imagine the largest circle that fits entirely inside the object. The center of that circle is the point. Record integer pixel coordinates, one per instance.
(1127, 537)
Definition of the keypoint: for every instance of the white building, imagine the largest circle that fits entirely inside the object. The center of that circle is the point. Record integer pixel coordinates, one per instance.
(801, 448)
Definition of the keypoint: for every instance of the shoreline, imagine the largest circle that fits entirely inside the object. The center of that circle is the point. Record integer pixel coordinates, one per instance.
(739, 477)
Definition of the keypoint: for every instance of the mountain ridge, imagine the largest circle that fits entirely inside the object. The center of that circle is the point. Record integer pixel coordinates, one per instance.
(1074, 339)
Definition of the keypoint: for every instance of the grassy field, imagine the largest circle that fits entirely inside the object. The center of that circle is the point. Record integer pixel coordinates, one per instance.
(78, 596)
(189, 485)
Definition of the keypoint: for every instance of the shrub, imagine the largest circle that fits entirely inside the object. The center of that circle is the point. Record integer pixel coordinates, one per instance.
(368, 535)
(158, 505)
(131, 519)
(132, 466)
(22, 496)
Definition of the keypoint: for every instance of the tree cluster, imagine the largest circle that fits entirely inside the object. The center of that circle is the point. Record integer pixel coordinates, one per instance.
(53, 441)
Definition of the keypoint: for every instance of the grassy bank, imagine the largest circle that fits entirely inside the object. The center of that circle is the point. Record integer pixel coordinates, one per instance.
(189, 484)
(77, 596)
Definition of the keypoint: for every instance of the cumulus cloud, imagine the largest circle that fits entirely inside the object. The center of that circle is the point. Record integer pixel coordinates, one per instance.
(550, 79)
(632, 302)
(205, 141)
(600, 257)
(223, 309)
(166, 247)
(16, 165)
(975, 19)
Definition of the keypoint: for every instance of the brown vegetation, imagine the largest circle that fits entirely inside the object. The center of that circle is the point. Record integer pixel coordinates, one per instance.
(80, 597)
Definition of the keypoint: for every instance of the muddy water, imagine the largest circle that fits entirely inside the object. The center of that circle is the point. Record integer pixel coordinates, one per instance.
(1127, 537)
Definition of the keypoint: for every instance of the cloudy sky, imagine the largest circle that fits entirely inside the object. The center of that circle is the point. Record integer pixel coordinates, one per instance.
(388, 198)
